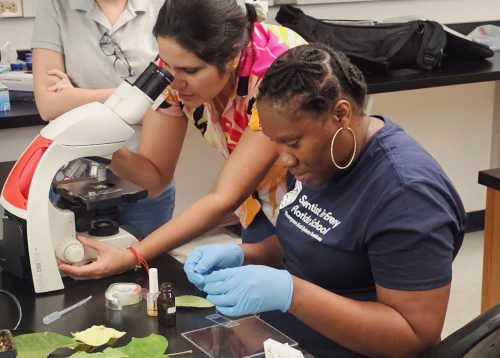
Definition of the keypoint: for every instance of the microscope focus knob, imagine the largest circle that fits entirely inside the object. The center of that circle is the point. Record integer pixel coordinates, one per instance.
(70, 251)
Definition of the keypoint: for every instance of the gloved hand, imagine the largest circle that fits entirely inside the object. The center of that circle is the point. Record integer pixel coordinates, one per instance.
(249, 289)
(205, 259)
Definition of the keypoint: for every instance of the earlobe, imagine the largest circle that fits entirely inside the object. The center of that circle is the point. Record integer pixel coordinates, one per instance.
(233, 64)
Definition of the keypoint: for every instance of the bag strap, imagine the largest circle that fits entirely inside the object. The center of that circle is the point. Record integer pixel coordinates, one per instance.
(433, 44)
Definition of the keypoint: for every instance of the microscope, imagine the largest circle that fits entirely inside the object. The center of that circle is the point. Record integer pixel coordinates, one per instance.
(38, 230)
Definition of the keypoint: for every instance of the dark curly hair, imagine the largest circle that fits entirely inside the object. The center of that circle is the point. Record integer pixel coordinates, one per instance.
(314, 77)
(214, 30)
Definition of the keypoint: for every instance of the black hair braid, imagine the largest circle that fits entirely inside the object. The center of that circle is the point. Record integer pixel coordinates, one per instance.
(351, 78)
(314, 76)
(295, 76)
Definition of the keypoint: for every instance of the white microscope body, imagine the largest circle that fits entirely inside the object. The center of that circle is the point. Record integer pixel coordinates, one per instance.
(94, 129)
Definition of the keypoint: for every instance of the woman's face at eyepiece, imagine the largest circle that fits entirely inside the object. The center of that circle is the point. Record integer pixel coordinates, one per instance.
(302, 141)
(195, 80)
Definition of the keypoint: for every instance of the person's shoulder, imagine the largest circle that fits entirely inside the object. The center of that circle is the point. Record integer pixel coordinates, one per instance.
(63, 8)
(52, 3)
(405, 157)
(150, 7)
(399, 145)
(286, 35)
(155, 5)
(65, 4)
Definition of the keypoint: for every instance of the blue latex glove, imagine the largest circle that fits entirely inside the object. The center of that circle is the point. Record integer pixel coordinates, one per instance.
(203, 260)
(249, 289)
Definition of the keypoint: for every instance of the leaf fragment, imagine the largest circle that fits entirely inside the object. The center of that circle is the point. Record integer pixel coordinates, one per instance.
(192, 301)
(97, 335)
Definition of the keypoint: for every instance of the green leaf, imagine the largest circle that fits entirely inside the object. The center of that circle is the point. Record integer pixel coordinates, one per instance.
(192, 301)
(37, 345)
(152, 346)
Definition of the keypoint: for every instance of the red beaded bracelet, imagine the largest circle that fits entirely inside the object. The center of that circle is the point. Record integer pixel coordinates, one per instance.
(141, 261)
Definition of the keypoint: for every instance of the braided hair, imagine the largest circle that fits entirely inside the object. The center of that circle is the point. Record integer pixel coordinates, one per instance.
(314, 77)
(214, 30)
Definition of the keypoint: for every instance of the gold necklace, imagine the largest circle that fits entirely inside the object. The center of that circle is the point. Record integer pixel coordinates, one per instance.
(225, 94)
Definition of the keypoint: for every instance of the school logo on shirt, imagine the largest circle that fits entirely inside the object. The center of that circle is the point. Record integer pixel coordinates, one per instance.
(306, 215)
(290, 197)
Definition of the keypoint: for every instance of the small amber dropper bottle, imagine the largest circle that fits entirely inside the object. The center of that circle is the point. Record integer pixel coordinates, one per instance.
(166, 305)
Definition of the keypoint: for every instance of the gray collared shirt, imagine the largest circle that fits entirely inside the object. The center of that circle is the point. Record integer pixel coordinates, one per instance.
(75, 28)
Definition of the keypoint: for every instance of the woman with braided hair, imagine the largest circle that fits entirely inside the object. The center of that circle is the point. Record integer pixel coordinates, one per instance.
(361, 264)
(218, 52)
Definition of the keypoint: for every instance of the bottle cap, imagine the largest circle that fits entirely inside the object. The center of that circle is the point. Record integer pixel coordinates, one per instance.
(166, 286)
(153, 280)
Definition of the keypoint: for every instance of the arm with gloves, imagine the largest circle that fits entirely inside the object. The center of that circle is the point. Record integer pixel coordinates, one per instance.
(206, 259)
(399, 324)
(217, 269)
(249, 289)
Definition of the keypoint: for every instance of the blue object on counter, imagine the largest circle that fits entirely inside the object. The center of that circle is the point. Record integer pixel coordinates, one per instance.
(28, 58)
(17, 65)
(4, 98)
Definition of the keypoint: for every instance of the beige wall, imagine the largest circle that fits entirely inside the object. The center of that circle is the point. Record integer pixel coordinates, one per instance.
(197, 170)
(454, 124)
(21, 28)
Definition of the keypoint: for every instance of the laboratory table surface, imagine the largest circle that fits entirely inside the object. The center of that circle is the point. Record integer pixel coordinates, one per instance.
(22, 114)
(132, 319)
(451, 72)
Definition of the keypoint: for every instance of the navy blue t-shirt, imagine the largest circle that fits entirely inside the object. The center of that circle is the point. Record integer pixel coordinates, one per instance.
(393, 219)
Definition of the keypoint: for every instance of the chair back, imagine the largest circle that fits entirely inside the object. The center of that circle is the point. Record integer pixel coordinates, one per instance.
(480, 338)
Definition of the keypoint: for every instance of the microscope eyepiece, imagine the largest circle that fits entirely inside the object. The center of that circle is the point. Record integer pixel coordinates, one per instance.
(153, 80)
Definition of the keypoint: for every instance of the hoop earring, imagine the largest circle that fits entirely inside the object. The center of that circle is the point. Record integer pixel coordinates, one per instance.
(353, 151)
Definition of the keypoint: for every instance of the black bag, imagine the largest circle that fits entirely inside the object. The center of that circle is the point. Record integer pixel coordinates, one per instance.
(416, 44)
(461, 47)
